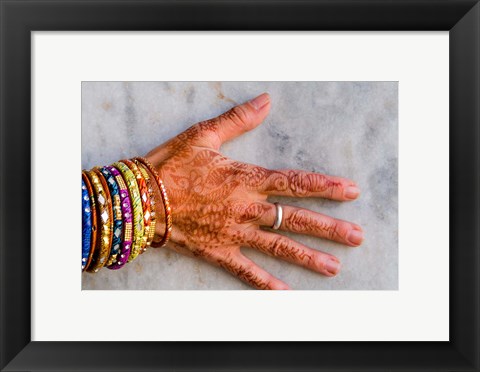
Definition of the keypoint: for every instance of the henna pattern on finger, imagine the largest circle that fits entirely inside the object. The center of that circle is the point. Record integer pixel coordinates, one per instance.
(299, 183)
(295, 183)
(280, 247)
(304, 184)
(209, 125)
(244, 273)
(301, 221)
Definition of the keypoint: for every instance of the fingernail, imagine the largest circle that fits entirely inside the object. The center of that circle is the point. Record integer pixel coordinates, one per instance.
(333, 266)
(355, 237)
(352, 192)
(260, 101)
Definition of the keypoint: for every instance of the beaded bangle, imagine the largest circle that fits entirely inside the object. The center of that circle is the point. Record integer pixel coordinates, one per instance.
(153, 217)
(86, 225)
(105, 219)
(145, 197)
(126, 206)
(138, 226)
(166, 203)
(117, 216)
(93, 210)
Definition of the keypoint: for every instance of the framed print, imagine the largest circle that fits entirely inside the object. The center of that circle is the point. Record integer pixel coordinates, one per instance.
(383, 92)
(374, 114)
(367, 112)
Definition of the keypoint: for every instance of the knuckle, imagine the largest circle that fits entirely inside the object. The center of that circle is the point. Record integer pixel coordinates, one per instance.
(272, 283)
(248, 269)
(331, 230)
(256, 176)
(239, 117)
(236, 208)
(342, 229)
(288, 249)
(301, 184)
(280, 245)
(337, 229)
(296, 221)
(244, 212)
(336, 188)
(199, 252)
(268, 284)
(321, 183)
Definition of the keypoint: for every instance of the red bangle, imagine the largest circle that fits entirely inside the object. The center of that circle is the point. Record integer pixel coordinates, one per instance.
(166, 202)
(152, 202)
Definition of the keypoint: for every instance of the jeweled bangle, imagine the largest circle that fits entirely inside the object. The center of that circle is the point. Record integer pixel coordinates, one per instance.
(145, 198)
(127, 220)
(93, 210)
(138, 226)
(166, 203)
(153, 202)
(86, 225)
(117, 216)
(105, 220)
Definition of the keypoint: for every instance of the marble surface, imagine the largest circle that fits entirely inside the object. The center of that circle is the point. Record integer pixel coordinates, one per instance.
(347, 129)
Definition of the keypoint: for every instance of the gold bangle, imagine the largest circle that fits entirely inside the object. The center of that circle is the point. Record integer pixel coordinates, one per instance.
(104, 218)
(138, 225)
(153, 217)
(145, 199)
(166, 203)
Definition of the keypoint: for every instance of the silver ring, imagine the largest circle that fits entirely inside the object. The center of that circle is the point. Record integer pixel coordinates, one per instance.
(278, 217)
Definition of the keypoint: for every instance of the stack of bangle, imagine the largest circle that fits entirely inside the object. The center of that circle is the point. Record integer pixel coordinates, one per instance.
(118, 213)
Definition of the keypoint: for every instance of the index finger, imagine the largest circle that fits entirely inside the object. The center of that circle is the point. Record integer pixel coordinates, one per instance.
(299, 183)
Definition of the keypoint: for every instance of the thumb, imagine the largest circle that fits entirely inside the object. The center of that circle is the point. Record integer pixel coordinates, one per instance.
(237, 120)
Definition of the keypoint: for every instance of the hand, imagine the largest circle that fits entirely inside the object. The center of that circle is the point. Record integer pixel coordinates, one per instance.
(219, 204)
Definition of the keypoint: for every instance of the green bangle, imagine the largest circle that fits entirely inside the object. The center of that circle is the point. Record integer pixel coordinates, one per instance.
(138, 224)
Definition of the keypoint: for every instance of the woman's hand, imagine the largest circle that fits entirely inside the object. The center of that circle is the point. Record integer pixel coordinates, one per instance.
(219, 204)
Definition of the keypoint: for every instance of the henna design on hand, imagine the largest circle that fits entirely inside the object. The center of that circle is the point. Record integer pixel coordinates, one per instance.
(217, 203)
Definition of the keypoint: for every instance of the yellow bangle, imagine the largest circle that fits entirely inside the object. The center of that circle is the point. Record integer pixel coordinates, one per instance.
(153, 217)
(145, 199)
(104, 218)
(138, 224)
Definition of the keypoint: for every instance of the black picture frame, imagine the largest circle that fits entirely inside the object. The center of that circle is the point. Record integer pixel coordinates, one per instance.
(18, 18)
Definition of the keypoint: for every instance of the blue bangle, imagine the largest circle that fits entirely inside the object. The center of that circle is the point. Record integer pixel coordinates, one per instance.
(86, 225)
(117, 216)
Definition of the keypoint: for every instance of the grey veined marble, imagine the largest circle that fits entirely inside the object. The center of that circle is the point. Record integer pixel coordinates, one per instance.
(347, 129)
